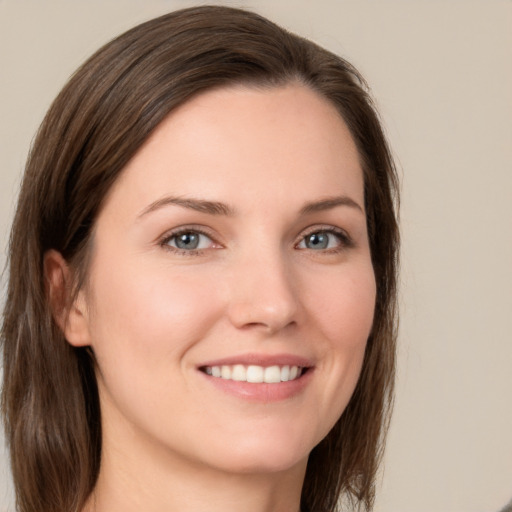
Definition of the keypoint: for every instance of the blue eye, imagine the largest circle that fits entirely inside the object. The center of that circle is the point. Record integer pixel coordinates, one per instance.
(189, 241)
(323, 240)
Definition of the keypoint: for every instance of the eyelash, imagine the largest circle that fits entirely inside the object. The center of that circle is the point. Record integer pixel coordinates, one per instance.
(345, 242)
(182, 231)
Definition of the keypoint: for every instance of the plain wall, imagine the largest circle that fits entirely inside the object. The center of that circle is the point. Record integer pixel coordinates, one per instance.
(441, 72)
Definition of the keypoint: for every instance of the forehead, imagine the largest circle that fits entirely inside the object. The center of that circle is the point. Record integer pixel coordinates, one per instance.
(244, 138)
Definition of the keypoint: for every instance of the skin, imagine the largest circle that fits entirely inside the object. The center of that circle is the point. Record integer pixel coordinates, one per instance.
(153, 314)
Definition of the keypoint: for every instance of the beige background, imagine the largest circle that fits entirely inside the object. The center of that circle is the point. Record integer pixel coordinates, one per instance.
(442, 75)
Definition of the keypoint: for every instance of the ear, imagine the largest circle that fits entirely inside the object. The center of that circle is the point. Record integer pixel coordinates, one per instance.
(69, 313)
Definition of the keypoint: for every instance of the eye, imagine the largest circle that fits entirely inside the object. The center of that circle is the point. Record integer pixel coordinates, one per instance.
(188, 240)
(324, 239)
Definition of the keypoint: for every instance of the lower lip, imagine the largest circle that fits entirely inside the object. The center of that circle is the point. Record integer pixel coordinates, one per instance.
(261, 392)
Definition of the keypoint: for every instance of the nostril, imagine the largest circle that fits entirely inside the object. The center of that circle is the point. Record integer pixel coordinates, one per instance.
(263, 317)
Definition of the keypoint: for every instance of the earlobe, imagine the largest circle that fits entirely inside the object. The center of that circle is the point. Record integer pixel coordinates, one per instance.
(69, 312)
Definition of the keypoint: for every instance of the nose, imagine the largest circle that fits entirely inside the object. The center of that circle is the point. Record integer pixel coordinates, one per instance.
(263, 294)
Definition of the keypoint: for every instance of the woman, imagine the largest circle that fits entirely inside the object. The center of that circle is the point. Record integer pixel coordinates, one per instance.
(201, 301)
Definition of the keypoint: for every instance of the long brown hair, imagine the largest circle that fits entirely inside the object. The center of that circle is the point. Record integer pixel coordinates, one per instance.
(110, 106)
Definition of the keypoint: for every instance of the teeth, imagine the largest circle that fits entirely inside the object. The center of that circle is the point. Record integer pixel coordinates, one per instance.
(225, 372)
(239, 373)
(272, 374)
(255, 374)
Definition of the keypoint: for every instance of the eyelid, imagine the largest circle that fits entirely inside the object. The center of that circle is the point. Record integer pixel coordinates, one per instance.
(346, 241)
(163, 241)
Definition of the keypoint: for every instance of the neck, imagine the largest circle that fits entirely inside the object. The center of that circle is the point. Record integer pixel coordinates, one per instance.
(134, 477)
(230, 493)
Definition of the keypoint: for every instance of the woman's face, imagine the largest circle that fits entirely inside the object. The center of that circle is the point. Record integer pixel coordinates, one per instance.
(234, 244)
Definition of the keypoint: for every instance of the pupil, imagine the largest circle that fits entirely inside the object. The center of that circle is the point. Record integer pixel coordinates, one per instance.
(187, 241)
(318, 241)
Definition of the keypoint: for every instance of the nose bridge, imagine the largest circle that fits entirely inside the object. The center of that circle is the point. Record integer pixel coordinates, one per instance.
(263, 292)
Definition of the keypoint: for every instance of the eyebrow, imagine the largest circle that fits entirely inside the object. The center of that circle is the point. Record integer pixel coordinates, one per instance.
(328, 203)
(200, 205)
(218, 208)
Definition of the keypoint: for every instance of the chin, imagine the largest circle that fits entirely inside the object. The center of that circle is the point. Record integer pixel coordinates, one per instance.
(257, 454)
(249, 464)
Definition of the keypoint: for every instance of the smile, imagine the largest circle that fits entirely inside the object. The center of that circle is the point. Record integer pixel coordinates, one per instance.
(254, 373)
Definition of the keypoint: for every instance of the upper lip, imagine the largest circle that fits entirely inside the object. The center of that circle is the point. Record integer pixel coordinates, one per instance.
(264, 360)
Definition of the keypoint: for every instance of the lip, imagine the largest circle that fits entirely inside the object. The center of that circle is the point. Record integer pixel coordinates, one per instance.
(261, 360)
(261, 392)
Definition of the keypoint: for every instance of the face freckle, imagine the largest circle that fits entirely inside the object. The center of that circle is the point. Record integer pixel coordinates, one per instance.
(201, 262)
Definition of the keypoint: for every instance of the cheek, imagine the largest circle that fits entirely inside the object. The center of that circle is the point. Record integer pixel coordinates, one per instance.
(345, 307)
(344, 316)
(150, 313)
(146, 318)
